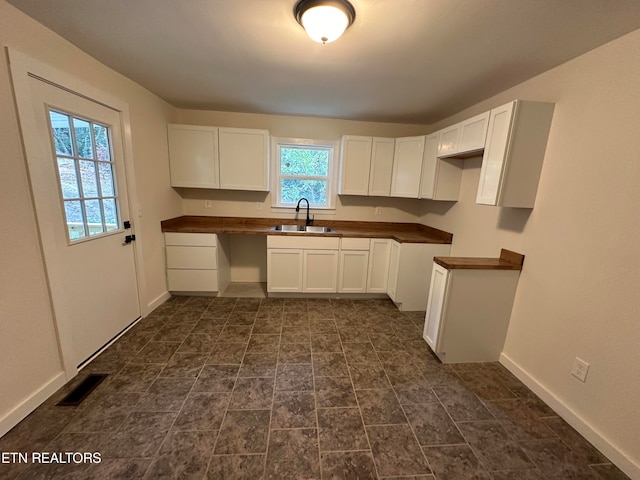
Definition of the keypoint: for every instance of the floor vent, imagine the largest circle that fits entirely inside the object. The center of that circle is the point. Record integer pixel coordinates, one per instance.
(81, 392)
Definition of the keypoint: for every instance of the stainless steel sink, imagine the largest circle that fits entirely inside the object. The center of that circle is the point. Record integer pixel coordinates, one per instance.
(302, 229)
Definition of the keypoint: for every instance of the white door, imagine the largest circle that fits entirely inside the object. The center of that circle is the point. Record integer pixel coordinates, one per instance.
(352, 271)
(320, 271)
(284, 270)
(76, 165)
(407, 167)
(435, 306)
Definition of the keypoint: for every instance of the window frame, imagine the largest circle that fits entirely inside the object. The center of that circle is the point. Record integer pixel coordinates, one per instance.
(332, 146)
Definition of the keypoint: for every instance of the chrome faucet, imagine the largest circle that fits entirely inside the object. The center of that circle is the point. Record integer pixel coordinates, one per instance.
(308, 221)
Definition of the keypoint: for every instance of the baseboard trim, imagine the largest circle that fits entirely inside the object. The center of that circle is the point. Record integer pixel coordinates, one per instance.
(151, 306)
(28, 405)
(611, 451)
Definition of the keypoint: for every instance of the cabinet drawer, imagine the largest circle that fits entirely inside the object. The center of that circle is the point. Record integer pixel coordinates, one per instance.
(354, 244)
(316, 243)
(192, 280)
(195, 258)
(193, 239)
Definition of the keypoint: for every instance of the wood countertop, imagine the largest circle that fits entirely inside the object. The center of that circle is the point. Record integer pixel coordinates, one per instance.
(508, 260)
(401, 232)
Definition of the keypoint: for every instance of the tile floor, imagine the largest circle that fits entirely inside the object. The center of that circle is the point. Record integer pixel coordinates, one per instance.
(249, 388)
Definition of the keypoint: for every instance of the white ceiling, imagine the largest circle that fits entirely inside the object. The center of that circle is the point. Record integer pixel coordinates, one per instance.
(408, 61)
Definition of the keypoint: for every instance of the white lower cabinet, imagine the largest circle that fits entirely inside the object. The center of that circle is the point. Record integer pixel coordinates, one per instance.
(353, 265)
(468, 313)
(302, 264)
(410, 266)
(197, 262)
(378, 270)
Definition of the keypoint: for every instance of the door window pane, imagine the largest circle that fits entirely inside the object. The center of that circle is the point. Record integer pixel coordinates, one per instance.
(68, 178)
(86, 173)
(82, 129)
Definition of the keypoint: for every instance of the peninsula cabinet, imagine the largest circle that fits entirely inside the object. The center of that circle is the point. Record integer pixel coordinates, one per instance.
(366, 165)
(469, 307)
(514, 152)
(219, 158)
(407, 167)
(302, 264)
(197, 263)
(410, 266)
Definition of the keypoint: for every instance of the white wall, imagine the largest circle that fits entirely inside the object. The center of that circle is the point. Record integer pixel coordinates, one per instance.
(29, 357)
(578, 292)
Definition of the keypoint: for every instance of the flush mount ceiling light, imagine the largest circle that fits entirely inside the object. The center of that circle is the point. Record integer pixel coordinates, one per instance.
(324, 20)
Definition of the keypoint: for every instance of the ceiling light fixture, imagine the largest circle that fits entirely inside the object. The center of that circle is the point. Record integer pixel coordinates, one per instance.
(324, 20)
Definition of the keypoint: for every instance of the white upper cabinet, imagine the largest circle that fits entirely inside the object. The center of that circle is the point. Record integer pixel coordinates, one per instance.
(429, 159)
(465, 138)
(381, 166)
(212, 157)
(407, 167)
(514, 152)
(366, 165)
(193, 156)
(355, 163)
(244, 159)
(441, 177)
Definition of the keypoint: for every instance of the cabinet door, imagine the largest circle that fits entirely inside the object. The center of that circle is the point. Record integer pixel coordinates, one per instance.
(394, 270)
(473, 133)
(284, 270)
(435, 305)
(494, 156)
(244, 159)
(193, 156)
(320, 271)
(449, 138)
(355, 159)
(352, 271)
(429, 159)
(381, 166)
(378, 271)
(407, 167)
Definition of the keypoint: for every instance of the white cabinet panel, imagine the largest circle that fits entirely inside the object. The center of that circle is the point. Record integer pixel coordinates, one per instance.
(193, 156)
(378, 271)
(440, 177)
(197, 258)
(448, 140)
(407, 167)
(381, 166)
(352, 272)
(473, 133)
(284, 270)
(192, 280)
(514, 153)
(435, 305)
(193, 239)
(394, 270)
(244, 159)
(320, 272)
(355, 162)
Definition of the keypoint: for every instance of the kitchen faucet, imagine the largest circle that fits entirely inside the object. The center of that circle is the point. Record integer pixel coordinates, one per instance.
(308, 221)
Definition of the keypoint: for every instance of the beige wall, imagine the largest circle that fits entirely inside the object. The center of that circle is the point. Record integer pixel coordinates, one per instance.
(29, 357)
(578, 293)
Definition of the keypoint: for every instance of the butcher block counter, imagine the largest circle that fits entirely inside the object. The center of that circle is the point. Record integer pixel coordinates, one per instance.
(400, 232)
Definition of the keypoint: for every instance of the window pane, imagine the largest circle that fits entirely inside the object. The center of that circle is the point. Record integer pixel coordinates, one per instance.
(89, 180)
(106, 179)
(83, 138)
(94, 216)
(304, 161)
(103, 152)
(61, 132)
(110, 214)
(75, 219)
(68, 179)
(294, 189)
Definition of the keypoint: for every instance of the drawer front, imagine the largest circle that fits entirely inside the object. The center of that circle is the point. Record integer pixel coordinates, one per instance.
(316, 243)
(193, 239)
(354, 244)
(196, 258)
(192, 280)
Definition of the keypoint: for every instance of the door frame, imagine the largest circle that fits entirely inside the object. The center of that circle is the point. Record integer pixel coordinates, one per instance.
(23, 68)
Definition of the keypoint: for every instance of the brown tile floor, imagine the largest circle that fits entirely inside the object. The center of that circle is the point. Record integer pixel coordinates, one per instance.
(251, 388)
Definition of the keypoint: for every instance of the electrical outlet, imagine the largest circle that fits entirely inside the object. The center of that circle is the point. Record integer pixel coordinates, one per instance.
(258, 205)
(207, 204)
(378, 210)
(580, 369)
